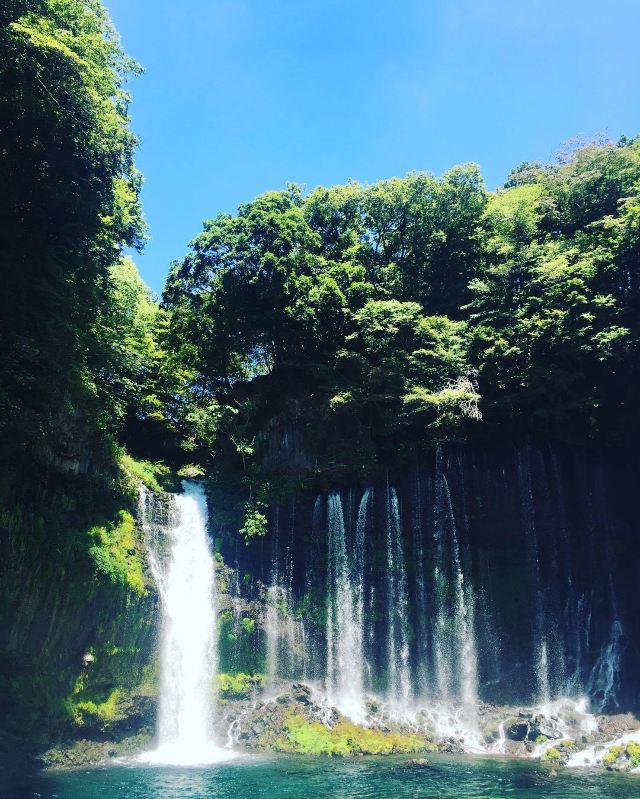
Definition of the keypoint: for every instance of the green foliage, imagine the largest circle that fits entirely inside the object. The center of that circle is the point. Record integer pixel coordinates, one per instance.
(156, 476)
(89, 713)
(116, 552)
(248, 625)
(239, 686)
(612, 755)
(554, 319)
(313, 738)
(552, 755)
(67, 153)
(633, 752)
(255, 521)
(329, 333)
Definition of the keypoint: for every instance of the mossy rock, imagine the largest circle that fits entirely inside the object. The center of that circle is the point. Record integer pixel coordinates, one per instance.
(491, 732)
(612, 756)
(633, 753)
(314, 738)
(239, 686)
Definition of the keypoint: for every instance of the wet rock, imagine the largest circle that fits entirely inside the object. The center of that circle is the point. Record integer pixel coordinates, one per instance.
(301, 693)
(534, 732)
(284, 699)
(491, 732)
(451, 746)
(517, 729)
(613, 726)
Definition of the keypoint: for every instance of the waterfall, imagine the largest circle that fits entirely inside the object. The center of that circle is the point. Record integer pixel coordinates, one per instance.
(183, 568)
(345, 663)
(285, 634)
(540, 644)
(421, 612)
(454, 643)
(604, 680)
(271, 621)
(357, 565)
(399, 679)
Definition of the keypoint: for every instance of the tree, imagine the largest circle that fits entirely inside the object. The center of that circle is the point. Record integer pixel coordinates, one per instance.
(67, 156)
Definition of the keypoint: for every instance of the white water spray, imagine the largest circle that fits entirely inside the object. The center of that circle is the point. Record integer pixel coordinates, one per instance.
(399, 687)
(345, 666)
(185, 576)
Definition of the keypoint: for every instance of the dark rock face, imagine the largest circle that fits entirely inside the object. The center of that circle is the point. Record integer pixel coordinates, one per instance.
(517, 730)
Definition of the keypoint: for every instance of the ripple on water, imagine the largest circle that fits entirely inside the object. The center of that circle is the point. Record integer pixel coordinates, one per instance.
(283, 777)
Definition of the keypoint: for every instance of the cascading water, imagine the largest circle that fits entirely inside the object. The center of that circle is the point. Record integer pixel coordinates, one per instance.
(399, 678)
(184, 571)
(543, 683)
(453, 591)
(422, 633)
(345, 666)
(604, 680)
(454, 644)
(285, 635)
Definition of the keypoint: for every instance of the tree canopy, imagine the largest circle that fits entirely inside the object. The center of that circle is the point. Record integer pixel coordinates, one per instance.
(349, 326)
(69, 206)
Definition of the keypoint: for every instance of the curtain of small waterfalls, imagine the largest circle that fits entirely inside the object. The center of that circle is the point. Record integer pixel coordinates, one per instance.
(472, 577)
(467, 579)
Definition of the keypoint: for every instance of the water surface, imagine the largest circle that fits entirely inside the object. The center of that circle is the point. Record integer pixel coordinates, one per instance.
(302, 778)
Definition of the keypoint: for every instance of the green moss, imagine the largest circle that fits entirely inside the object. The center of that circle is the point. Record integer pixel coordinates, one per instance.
(89, 713)
(248, 625)
(116, 553)
(612, 755)
(541, 739)
(633, 751)
(552, 755)
(239, 686)
(313, 738)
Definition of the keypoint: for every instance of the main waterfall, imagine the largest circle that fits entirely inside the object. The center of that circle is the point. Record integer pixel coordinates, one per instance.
(183, 568)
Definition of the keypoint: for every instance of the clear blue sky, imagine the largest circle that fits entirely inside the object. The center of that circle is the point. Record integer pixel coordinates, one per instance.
(242, 96)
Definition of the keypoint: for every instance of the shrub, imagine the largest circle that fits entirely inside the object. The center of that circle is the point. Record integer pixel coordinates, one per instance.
(239, 686)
